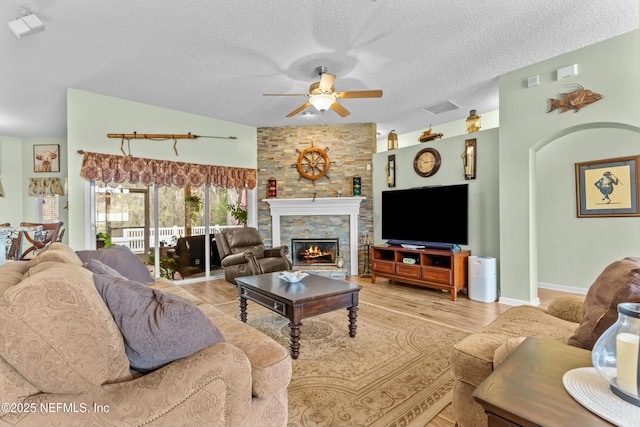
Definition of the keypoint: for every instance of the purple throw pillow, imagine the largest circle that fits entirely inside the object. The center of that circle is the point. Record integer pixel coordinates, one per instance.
(157, 327)
(121, 259)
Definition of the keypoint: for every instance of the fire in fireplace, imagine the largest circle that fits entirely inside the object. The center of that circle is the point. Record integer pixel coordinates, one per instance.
(314, 251)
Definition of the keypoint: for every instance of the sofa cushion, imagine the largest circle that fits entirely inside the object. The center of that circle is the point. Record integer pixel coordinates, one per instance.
(13, 386)
(270, 361)
(472, 359)
(505, 350)
(98, 267)
(56, 252)
(57, 332)
(17, 266)
(121, 259)
(618, 282)
(157, 327)
(42, 266)
(567, 307)
(8, 279)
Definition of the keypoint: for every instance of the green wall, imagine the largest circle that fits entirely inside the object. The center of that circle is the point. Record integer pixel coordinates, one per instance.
(483, 191)
(540, 237)
(90, 117)
(16, 167)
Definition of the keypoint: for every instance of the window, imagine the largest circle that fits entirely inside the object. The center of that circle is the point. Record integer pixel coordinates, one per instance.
(124, 216)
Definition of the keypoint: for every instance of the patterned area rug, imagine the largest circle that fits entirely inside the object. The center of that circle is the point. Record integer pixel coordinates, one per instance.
(395, 372)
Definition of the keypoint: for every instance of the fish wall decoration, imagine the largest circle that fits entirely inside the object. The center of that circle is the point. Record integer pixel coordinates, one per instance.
(575, 100)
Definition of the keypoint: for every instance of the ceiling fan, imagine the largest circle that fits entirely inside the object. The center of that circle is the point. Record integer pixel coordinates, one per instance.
(322, 95)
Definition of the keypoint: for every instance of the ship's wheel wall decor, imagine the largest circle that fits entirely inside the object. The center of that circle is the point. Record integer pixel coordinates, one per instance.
(313, 163)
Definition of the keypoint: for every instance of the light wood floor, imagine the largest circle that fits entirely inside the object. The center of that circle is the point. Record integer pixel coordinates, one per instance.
(431, 304)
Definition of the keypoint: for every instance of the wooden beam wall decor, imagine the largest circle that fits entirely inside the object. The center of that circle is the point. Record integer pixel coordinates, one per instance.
(159, 137)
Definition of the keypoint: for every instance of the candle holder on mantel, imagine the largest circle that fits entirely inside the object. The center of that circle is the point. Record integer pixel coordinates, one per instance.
(366, 243)
(615, 354)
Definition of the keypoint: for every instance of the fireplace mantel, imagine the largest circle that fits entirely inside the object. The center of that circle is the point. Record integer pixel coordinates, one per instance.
(319, 206)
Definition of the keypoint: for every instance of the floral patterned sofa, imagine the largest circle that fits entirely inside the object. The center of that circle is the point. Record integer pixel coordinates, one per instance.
(63, 358)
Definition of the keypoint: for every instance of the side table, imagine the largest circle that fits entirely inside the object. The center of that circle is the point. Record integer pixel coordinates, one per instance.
(526, 389)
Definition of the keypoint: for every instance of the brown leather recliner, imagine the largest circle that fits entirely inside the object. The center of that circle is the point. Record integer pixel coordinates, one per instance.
(190, 255)
(243, 253)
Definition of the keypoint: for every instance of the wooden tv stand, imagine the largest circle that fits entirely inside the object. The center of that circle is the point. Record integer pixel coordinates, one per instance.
(433, 268)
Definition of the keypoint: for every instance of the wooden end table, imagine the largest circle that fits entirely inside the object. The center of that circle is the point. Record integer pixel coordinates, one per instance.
(313, 295)
(526, 389)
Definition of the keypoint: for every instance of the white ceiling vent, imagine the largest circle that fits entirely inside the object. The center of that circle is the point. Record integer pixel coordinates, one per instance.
(441, 107)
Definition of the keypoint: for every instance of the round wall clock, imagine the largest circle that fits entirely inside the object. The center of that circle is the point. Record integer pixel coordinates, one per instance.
(427, 162)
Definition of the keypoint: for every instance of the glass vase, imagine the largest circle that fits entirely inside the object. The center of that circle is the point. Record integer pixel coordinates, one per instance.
(615, 354)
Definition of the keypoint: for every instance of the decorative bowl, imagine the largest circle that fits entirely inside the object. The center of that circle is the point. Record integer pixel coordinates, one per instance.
(293, 276)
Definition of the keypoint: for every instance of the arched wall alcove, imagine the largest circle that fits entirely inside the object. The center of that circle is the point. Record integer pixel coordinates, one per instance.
(572, 251)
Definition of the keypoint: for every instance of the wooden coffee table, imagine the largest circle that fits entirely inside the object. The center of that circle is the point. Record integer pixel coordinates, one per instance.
(313, 295)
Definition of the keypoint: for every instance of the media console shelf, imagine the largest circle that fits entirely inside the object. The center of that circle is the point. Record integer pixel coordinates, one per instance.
(431, 268)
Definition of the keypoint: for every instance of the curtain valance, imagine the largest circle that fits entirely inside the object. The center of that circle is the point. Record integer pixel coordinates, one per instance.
(110, 168)
(45, 187)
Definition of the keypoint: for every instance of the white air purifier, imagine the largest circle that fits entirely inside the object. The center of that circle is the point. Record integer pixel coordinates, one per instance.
(482, 279)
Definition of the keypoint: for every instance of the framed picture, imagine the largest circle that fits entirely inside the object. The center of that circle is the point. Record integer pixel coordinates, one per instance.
(608, 188)
(46, 158)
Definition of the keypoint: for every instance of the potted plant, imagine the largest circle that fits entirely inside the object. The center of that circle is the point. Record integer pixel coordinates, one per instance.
(103, 240)
(193, 205)
(238, 212)
(168, 266)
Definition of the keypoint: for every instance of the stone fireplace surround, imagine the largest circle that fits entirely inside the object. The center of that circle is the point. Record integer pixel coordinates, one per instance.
(330, 206)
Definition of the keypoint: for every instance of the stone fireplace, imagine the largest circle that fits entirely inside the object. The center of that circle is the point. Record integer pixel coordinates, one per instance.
(336, 212)
(314, 252)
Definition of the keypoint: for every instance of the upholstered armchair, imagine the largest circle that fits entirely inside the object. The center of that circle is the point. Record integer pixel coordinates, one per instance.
(243, 253)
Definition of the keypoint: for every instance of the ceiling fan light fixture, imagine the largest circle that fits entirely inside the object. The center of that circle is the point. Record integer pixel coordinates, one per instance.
(322, 102)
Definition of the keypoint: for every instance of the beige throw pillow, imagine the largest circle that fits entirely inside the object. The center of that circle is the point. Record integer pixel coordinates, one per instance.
(56, 252)
(56, 331)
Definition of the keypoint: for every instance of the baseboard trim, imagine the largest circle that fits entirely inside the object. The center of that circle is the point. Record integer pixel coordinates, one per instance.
(562, 288)
(514, 302)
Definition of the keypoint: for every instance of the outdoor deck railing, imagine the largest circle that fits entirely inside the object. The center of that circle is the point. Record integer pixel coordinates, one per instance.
(133, 238)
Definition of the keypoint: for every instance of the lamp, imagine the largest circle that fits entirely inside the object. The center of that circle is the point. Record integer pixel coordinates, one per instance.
(26, 24)
(391, 170)
(473, 122)
(322, 101)
(392, 140)
(469, 159)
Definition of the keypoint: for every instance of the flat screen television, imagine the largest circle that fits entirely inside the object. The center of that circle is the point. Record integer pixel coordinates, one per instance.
(436, 214)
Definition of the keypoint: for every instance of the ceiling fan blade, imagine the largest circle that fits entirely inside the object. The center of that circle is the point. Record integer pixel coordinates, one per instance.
(340, 109)
(285, 94)
(326, 82)
(360, 94)
(299, 109)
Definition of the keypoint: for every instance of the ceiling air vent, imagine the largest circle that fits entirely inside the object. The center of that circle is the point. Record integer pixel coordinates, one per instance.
(441, 107)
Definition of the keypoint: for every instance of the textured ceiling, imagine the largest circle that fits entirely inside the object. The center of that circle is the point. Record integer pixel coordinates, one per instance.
(216, 58)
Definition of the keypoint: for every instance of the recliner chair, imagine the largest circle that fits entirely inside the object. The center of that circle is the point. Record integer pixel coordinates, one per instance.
(243, 253)
(190, 255)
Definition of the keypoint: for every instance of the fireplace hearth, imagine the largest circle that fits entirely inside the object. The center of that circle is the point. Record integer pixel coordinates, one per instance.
(306, 252)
